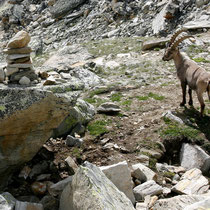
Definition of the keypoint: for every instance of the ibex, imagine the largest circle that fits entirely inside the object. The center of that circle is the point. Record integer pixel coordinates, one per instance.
(188, 71)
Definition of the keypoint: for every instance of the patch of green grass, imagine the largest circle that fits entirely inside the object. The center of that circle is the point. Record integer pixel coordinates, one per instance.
(142, 98)
(150, 95)
(169, 174)
(98, 127)
(116, 97)
(203, 60)
(114, 46)
(90, 100)
(98, 91)
(127, 102)
(156, 96)
(77, 152)
(175, 130)
(152, 163)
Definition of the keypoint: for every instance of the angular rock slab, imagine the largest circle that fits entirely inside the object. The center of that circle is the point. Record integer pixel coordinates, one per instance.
(192, 156)
(147, 188)
(21, 39)
(120, 175)
(143, 173)
(91, 189)
(27, 120)
(178, 202)
(192, 182)
(7, 201)
(205, 204)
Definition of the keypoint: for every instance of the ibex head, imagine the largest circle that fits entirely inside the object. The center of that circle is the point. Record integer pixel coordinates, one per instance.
(172, 46)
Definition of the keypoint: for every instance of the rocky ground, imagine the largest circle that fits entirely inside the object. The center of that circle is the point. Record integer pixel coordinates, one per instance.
(146, 125)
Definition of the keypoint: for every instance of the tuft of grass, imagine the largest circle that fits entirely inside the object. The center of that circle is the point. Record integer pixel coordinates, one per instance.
(199, 60)
(169, 174)
(156, 96)
(150, 95)
(116, 97)
(127, 102)
(175, 130)
(142, 98)
(98, 127)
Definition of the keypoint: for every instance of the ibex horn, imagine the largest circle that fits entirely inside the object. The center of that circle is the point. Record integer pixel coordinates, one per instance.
(176, 43)
(175, 35)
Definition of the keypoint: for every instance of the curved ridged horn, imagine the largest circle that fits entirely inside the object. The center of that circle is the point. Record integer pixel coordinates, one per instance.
(176, 43)
(175, 35)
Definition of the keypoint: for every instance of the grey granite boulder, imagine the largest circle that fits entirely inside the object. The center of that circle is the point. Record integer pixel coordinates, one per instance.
(27, 120)
(62, 7)
(192, 156)
(91, 189)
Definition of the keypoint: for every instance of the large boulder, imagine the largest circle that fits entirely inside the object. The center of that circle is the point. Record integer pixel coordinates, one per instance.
(91, 189)
(27, 120)
(62, 7)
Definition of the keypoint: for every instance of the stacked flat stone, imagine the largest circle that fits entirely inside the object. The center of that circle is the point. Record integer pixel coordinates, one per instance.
(19, 67)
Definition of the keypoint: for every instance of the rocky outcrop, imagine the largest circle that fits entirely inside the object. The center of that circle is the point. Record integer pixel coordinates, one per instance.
(62, 7)
(27, 119)
(91, 189)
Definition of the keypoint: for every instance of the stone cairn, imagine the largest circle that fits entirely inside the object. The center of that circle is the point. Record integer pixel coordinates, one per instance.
(19, 67)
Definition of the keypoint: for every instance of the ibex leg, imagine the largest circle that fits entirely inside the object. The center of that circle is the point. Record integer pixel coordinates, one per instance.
(183, 85)
(190, 95)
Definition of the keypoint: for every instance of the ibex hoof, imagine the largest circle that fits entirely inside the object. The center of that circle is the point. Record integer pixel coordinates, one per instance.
(182, 104)
(190, 103)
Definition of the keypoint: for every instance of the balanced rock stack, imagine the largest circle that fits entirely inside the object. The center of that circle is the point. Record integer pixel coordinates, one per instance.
(19, 64)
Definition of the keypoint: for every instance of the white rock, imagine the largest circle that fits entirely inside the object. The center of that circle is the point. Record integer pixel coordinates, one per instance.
(173, 169)
(178, 202)
(28, 206)
(192, 182)
(7, 201)
(192, 156)
(112, 64)
(205, 204)
(143, 173)
(120, 175)
(24, 81)
(147, 188)
(143, 159)
(141, 206)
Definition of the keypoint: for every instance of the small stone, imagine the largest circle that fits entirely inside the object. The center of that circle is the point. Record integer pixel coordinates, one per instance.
(73, 142)
(24, 50)
(143, 159)
(39, 188)
(27, 206)
(152, 153)
(50, 81)
(147, 188)
(71, 165)
(21, 39)
(108, 107)
(9, 71)
(143, 173)
(24, 81)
